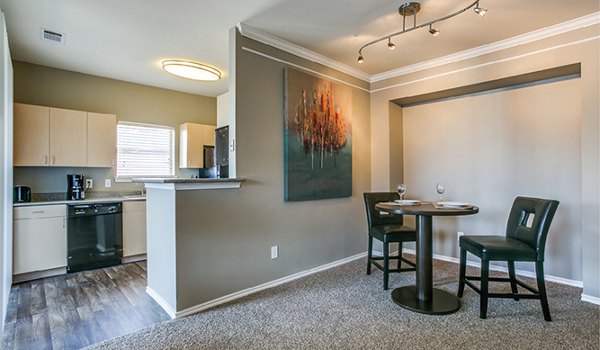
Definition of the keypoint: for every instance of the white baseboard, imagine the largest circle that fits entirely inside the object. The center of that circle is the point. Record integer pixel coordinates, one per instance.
(30, 276)
(252, 290)
(133, 258)
(162, 302)
(590, 299)
(550, 278)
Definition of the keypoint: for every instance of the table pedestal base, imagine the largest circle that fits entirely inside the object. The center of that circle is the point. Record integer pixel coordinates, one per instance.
(441, 303)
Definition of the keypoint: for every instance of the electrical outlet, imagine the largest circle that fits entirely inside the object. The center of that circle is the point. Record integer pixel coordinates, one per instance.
(107, 183)
(274, 252)
(459, 234)
(89, 183)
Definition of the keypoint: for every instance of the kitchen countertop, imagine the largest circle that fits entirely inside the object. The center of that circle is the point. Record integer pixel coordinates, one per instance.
(93, 198)
(186, 180)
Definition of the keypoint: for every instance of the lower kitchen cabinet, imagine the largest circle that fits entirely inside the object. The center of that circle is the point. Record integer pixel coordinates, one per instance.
(40, 238)
(134, 229)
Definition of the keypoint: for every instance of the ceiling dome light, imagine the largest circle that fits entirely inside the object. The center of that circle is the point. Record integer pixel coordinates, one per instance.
(191, 70)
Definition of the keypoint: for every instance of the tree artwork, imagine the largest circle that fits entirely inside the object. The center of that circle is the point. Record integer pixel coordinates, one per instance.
(320, 125)
(317, 138)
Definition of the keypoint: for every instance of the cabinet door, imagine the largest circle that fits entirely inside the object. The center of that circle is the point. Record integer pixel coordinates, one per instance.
(40, 238)
(31, 142)
(209, 135)
(191, 141)
(68, 134)
(134, 228)
(101, 139)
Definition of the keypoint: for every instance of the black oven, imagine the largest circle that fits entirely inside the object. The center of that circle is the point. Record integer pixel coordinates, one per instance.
(94, 236)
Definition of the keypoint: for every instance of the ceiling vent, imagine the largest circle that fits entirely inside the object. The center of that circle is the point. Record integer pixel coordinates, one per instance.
(52, 36)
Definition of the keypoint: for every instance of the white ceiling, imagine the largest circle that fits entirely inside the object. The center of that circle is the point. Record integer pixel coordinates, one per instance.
(127, 39)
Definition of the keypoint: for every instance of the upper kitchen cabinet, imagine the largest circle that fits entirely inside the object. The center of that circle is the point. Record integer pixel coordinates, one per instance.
(31, 135)
(68, 131)
(101, 139)
(45, 136)
(192, 139)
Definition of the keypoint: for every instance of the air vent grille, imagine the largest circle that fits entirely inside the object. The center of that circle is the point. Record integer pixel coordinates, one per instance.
(53, 36)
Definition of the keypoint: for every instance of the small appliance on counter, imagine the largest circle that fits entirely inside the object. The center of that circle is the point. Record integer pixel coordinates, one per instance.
(21, 194)
(75, 186)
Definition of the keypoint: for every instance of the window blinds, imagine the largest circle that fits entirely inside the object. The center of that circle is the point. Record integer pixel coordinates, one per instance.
(145, 150)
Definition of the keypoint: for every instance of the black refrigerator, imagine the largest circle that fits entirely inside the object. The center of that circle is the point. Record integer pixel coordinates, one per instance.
(222, 151)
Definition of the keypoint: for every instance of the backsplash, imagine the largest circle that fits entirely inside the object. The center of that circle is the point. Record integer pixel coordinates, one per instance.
(54, 180)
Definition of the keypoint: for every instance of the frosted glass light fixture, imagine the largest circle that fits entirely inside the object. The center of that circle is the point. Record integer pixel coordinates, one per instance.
(191, 70)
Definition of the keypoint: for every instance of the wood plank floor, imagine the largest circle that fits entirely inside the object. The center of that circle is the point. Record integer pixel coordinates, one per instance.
(76, 310)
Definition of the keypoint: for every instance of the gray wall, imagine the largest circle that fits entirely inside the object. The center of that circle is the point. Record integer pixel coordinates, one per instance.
(242, 224)
(576, 46)
(46, 86)
(487, 149)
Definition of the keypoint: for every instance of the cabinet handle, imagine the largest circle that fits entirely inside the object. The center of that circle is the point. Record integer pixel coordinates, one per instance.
(45, 159)
(38, 212)
(53, 160)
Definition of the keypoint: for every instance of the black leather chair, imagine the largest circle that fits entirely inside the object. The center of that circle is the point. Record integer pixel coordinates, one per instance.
(524, 241)
(388, 229)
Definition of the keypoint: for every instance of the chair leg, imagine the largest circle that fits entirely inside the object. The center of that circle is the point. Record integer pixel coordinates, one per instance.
(483, 303)
(386, 264)
(369, 255)
(462, 271)
(399, 256)
(513, 281)
(539, 271)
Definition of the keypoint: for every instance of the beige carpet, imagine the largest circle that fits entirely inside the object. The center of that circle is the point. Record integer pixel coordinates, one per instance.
(343, 308)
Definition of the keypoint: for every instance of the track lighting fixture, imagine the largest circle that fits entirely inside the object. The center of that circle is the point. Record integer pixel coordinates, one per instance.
(411, 9)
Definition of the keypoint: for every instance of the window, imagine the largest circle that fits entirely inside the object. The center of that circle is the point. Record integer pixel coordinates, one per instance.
(145, 150)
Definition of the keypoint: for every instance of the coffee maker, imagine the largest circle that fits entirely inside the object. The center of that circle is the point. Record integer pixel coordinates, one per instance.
(75, 186)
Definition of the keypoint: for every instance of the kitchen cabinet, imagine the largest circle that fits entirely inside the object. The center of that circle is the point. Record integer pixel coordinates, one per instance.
(192, 139)
(134, 228)
(101, 139)
(45, 136)
(31, 135)
(39, 238)
(68, 135)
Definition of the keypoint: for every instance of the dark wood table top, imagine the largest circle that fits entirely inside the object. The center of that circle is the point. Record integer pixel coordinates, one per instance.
(426, 209)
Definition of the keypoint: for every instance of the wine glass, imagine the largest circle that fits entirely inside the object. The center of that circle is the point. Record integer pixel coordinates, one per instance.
(440, 188)
(401, 188)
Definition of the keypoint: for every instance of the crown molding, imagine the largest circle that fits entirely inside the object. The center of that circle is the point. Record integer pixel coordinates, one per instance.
(271, 40)
(526, 38)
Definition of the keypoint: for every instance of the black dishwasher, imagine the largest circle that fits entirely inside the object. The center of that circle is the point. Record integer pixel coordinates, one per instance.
(94, 236)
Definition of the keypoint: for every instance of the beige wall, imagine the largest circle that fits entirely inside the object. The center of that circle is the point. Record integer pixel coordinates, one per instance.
(579, 46)
(130, 102)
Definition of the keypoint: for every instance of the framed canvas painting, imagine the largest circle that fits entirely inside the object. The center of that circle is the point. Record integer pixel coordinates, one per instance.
(317, 138)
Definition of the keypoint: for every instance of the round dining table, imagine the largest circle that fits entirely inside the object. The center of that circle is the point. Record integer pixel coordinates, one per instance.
(422, 297)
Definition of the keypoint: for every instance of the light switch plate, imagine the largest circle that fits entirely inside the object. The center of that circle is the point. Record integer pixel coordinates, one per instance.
(107, 183)
(274, 252)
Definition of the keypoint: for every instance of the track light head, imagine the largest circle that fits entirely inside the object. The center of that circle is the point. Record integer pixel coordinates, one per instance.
(480, 10)
(433, 31)
(391, 45)
(360, 59)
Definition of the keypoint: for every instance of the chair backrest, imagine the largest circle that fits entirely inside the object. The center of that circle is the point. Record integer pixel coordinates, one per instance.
(374, 217)
(535, 231)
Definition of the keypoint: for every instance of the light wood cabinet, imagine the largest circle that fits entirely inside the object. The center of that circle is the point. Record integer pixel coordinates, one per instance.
(45, 136)
(68, 135)
(134, 228)
(40, 238)
(101, 139)
(31, 135)
(192, 139)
